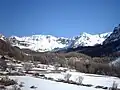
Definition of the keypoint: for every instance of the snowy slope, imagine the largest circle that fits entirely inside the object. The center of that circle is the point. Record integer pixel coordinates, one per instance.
(39, 42)
(86, 39)
(93, 79)
(48, 85)
(42, 43)
(42, 84)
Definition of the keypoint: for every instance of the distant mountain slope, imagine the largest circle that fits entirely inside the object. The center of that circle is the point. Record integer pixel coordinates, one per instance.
(110, 47)
(86, 39)
(43, 43)
(40, 43)
(7, 49)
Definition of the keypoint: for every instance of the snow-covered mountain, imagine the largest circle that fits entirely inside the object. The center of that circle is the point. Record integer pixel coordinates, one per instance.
(86, 39)
(2, 37)
(42, 43)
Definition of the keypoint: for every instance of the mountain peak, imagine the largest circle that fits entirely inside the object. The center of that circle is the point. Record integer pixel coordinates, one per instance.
(85, 34)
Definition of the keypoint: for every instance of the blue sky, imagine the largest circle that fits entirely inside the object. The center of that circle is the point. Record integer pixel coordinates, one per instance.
(65, 18)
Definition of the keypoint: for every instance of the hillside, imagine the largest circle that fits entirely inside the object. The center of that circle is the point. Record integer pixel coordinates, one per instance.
(7, 49)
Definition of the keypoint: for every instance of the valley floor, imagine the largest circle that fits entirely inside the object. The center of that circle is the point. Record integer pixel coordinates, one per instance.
(43, 84)
(93, 79)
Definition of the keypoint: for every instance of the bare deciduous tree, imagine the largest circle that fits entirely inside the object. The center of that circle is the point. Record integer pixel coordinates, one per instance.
(114, 86)
(27, 66)
(79, 79)
(67, 77)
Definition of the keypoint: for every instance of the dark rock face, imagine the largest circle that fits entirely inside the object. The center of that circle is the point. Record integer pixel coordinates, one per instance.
(114, 36)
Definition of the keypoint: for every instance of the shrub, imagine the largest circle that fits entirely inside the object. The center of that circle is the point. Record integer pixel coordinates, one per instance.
(7, 82)
(33, 87)
(15, 87)
(114, 86)
(2, 87)
(36, 74)
(27, 66)
(79, 80)
(87, 85)
(99, 87)
(42, 75)
(67, 77)
(21, 84)
(49, 78)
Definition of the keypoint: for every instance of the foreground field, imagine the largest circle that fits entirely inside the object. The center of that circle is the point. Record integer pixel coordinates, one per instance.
(93, 79)
(42, 84)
